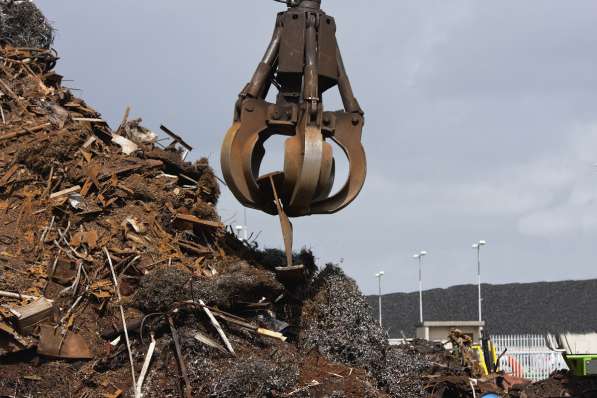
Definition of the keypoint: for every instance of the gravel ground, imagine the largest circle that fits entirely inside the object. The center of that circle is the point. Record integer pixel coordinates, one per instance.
(509, 309)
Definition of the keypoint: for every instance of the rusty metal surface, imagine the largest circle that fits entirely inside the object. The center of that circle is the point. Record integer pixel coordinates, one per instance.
(302, 61)
(57, 343)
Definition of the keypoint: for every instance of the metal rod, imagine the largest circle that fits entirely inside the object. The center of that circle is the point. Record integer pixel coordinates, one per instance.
(379, 275)
(285, 224)
(259, 84)
(348, 99)
(311, 72)
(123, 318)
(380, 321)
(479, 281)
(421, 289)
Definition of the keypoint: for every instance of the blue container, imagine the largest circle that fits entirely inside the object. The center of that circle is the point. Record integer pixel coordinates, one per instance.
(490, 395)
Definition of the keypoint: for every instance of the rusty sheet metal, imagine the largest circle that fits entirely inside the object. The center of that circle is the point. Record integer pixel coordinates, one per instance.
(56, 344)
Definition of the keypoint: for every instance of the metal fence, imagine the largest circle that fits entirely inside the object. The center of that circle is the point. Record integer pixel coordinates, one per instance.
(528, 356)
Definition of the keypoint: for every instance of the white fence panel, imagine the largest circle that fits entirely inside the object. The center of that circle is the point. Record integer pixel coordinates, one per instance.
(528, 356)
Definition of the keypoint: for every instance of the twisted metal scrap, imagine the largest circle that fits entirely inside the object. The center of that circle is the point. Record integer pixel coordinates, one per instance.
(302, 61)
(22, 24)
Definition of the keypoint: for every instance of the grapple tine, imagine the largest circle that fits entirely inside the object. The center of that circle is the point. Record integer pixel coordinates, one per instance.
(348, 138)
(327, 175)
(226, 161)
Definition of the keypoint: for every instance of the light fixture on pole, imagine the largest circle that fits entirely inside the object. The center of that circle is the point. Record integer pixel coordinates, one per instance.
(419, 257)
(477, 246)
(240, 231)
(379, 275)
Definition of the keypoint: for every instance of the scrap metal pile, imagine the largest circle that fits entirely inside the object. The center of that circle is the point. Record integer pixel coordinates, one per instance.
(118, 278)
(100, 228)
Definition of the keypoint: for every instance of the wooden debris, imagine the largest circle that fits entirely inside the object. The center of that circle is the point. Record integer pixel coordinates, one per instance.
(271, 333)
(65, 192)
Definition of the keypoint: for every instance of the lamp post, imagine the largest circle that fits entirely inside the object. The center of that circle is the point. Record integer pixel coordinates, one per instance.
(379, 275)
(477, 246)
(419, 257)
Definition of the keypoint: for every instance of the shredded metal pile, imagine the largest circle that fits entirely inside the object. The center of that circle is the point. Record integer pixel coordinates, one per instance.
(337, 322)
(23, 25)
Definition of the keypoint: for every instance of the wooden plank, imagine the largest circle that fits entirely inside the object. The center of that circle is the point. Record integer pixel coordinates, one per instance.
(65, 192)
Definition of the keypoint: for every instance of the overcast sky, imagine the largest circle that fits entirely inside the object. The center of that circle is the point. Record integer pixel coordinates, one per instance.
(481, 122)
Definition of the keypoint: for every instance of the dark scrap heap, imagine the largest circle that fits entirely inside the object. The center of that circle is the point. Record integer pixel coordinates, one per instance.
(23, 25)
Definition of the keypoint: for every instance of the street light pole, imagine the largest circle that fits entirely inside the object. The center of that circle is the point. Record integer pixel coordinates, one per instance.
(477, 246)
(379, 275)
(419, 257)
(246, 226)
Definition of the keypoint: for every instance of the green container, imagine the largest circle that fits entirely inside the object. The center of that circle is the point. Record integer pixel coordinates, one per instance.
(582, 365)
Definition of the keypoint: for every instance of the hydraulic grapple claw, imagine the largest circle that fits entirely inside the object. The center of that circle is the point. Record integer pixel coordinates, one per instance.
(302, 61)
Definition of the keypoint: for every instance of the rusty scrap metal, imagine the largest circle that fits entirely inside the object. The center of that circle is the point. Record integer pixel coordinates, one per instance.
(30, 315)
(302, 61)
(60, 343)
